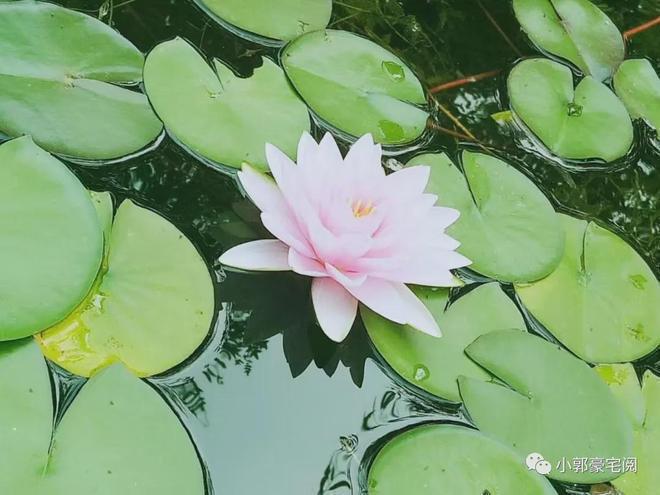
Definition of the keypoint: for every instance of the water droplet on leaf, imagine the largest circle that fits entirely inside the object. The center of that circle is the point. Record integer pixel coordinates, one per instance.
(393, 70)
(421, 373)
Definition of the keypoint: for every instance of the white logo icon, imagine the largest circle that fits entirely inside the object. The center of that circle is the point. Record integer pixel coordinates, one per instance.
(536, 462)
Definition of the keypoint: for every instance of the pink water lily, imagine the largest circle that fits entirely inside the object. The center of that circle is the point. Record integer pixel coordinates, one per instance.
(363, 235)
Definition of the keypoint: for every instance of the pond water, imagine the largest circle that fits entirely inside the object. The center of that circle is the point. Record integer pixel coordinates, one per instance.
(273, 406)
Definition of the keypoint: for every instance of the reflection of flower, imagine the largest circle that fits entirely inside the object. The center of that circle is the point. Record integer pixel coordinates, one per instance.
(361, 234)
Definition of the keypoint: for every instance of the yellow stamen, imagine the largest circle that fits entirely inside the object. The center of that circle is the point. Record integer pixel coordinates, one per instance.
(362, 209)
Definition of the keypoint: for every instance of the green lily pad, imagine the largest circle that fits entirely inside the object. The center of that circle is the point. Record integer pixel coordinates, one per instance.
(624, 384)
(638, 86)
(507, 227)
(60, 77)
(356, 86)
(582, 123)
(556, 406)
(280, 20)
(151, 306)
(51, 244)
(602, 301)
(451, 459)
(118, 436)
(218, 116)
(646, 451)
(433, 364)
(576, 30)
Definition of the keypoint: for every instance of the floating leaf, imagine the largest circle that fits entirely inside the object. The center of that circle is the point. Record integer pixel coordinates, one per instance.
(556, 406)
(150, 308)
(575, 30)
(645, 478)
(51, 243)
(451, 459)
(588, 122)
(218, 116)
(60, 72)
(118, 436)
(356, 86)
(433, 364)
(624, 384)
(602, 301)
(275, 19)
(638, 86)
(507, 226)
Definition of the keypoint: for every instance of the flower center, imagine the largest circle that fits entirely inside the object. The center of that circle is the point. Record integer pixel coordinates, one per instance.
(361, 208)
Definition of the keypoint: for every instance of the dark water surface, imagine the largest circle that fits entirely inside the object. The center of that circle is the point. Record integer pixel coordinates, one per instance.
(273, 405)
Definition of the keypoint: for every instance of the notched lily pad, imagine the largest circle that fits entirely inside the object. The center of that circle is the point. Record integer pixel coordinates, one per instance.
(576, 30)
(218, 116)
(356, 86)
(588, 122)
(61, 78)
(451, 459)
(275, 20)
(118, 436)
(51, 243)
(645, 478)
(150, 308)
(433, 364)
(638, 86)
(602, 301)
(552, 404)
(507, 227)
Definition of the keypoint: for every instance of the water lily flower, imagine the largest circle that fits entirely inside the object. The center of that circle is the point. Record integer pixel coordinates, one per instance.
(361, 234)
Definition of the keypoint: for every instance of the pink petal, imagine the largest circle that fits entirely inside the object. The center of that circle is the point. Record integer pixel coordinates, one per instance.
(262, 255)
(444, 217)
(346, 279)
(419, 316)
(286, 229)
(364, 158)
(409, 181)
(397, 303)
(335, 308)
(304, 265)
(307, 151)
(262, 190)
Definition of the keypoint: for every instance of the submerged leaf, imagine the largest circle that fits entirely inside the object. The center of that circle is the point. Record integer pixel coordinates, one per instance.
(507, 227)
(118, 436)
(217, 116)
(275, 19)
(576, 30)
(638, 86)
(551, 403)
(602, 301)
(433, 364)
(51, 242)
(582, 123)
(451, 459)
(356, 86)
(151, 307)
(60, 72)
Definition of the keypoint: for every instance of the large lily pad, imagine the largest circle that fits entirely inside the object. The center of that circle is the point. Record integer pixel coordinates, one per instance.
(641, 474)
(576, 30)
(275, 19)
(118, 436)
(51, 243)
(356, 86)
(638, 86)
(150, 308)
(582, 123)
(507, 227)
(602, 301)
(219, 116)
(60, 72)
(556, 404)
(451, 459)
(433, 364)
